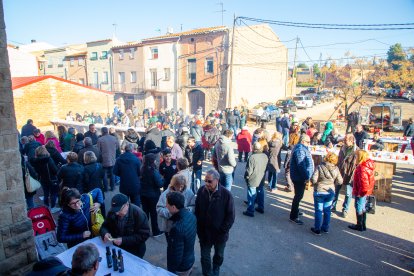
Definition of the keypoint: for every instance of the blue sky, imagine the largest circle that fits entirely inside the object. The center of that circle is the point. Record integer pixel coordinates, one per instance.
(61, 22)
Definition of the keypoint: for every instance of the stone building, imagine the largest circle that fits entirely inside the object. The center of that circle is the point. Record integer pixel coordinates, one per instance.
(17, 250)
(45, 98)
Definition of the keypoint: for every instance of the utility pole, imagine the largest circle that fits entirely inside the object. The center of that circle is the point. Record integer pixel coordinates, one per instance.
(222, 12)
(294, 65)
(230, 90)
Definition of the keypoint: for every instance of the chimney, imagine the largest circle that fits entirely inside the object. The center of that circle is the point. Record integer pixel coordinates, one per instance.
(33, 41)
(170, 30)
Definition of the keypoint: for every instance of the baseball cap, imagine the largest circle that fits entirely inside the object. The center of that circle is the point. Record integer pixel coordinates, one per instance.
(117, 202)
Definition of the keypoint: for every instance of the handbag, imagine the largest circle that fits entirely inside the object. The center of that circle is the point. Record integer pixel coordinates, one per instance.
(32, 185)
(371, 204)
(96, 218)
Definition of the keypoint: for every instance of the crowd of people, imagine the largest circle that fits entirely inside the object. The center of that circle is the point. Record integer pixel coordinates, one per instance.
(160, 179)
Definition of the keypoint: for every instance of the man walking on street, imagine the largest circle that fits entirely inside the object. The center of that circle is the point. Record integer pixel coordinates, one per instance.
(107, 145)
(225, 159)
(215, 215)
(255, 176)
(301, 170)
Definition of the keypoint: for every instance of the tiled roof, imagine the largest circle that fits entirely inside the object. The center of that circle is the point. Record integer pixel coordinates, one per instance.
(19, 82)
(103, 40)
(77, 54)
(192, 32)
(128, 45)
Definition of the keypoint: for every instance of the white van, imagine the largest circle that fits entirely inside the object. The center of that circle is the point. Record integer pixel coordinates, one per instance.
(303, 101)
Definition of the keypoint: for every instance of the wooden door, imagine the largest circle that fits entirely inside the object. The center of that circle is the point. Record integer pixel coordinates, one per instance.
(196, 99)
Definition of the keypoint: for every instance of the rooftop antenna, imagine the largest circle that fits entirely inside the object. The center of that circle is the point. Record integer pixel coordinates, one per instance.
(222, 12)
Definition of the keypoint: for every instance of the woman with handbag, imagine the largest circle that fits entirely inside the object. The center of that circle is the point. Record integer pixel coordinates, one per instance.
(46, 170)
(362, 187)
(75, 222)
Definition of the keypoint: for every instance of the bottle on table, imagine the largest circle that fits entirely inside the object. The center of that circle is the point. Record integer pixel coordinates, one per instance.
(120, 261)
(114, 259)
(108, 257)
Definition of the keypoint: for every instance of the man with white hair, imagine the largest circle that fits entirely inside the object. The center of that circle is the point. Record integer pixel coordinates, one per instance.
(255, 176)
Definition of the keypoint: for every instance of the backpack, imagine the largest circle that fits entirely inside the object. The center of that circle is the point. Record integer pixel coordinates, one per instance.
(42, 220)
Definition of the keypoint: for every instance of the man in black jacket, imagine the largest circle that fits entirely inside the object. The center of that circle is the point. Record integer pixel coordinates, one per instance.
(126, 225)
(214, 211)
(360, 135)
(195, 156)
(181, 238)
(28, 128)
(92, 133)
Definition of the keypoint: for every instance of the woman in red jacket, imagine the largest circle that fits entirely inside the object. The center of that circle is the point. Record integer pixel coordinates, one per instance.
(244, 142)
(362, 187)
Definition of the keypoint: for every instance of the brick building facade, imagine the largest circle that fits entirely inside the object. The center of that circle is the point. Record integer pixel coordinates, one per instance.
(46, 98)
(17, 251)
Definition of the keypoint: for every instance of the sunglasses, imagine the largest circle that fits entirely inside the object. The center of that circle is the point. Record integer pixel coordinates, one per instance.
(208, 181)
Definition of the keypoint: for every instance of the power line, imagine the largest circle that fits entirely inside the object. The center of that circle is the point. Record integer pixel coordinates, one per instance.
(333, 26)
(300, 41)
(271, 39)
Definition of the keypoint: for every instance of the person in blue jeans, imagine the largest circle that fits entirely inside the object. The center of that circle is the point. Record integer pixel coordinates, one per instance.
(324, 178)
(274, 164)
(224, 159)
(347, 162)
(254, 176)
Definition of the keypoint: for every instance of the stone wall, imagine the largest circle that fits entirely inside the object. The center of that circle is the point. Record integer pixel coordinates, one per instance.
(17, 250)
(52, 99)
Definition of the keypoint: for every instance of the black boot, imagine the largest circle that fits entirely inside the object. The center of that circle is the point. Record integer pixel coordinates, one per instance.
(357, 226)
(364, 221)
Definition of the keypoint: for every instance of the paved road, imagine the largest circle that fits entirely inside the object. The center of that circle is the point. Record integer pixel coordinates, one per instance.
(270, 244)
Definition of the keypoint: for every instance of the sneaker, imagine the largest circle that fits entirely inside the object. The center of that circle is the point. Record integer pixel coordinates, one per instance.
(259, 210)
(325, 231)
(248, 214)
(344, 213)
(297, 221)
(55, 210)
(316, 232)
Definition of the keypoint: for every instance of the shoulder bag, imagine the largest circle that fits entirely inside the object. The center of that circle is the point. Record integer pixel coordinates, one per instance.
(96, 219)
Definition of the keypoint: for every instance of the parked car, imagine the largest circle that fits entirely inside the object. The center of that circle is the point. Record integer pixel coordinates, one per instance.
(384, 115)
(266, 111)
(392, 93)
(287, 105)
(326, 96)
(407, 95)
(310, 90)
(303, 101)
(316, 99)
(373, 92)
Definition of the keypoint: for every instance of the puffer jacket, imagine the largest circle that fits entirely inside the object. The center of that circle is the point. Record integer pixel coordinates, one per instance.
(325, 177)
(72, 223)
(364, 179)
(224, 155)
(164, 223)
(180, 250)
(301, 164)
(71, 176)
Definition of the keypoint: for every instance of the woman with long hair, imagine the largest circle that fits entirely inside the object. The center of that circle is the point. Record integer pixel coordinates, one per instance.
(46, 170)
(50, 136)
(362, 187)
(61, 135)
(151, 183)
(324, 179)
(74, 222)
(275, 159)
